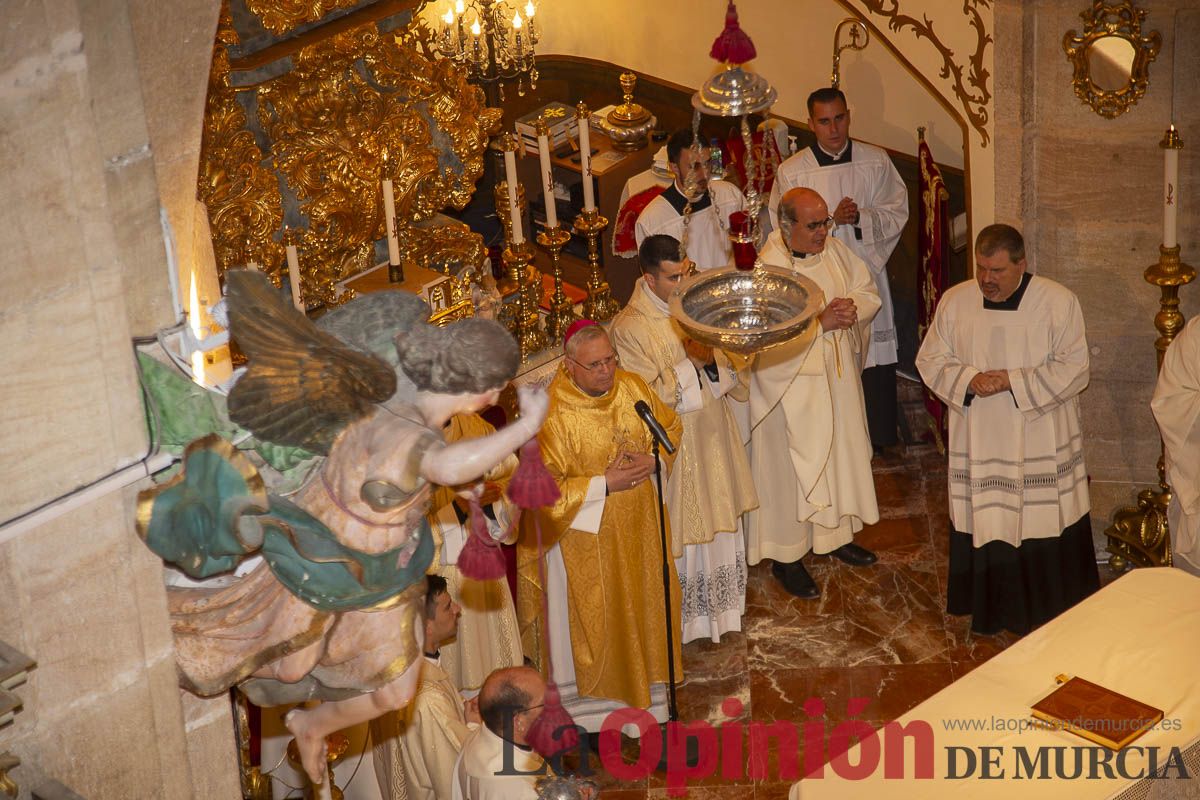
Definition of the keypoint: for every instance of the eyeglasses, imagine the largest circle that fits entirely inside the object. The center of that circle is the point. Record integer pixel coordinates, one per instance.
(531, 708)
(611, 361)
(816, 226)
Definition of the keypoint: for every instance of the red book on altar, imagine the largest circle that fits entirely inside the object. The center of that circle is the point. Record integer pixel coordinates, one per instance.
(1097, 714)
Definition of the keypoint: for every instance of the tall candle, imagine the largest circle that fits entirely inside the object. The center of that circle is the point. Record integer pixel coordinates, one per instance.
(514, 213)
(293, 263)
(585, 157)
(389, 219)
(1170, 145)
(547, 176)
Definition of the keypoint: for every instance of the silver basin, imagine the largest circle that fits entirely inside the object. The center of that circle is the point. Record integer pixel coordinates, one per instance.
(746, 311)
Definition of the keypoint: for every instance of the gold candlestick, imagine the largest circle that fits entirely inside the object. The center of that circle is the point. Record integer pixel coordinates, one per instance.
(599, 305)
(562, 310)
(1139, 534)
(525, 324)
(395, 271)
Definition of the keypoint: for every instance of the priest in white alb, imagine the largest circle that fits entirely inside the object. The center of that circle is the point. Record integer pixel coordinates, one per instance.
(810, 453)
(1007, 354)
(1176, 407)
(695, 208)
(869, 204)
(710, 485)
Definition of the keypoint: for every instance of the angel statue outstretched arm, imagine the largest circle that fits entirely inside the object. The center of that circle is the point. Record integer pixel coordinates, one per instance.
(332, 610)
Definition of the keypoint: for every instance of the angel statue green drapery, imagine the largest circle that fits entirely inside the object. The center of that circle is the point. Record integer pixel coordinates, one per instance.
(318, 596)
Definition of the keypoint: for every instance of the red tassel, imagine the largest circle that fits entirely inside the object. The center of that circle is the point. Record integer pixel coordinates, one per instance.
(554, 731)
(532, 485)
(733, 46)
(481, 558)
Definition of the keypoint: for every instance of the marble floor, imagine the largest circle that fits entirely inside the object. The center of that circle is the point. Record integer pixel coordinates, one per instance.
(878, 633)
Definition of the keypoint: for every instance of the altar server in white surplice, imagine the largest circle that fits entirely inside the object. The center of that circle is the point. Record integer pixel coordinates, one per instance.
(694, 209)
(1176, 407)
(710, 485)
(810, 453)
(869, 203)
(1008, 356)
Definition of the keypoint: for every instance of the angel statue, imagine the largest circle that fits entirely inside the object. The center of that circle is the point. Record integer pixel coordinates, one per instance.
(317, 595)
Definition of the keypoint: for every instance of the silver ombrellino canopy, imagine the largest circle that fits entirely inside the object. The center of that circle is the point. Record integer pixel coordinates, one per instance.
(734, 92)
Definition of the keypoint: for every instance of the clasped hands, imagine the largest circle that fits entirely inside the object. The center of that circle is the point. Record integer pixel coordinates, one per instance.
(846, 212)
(841, 313)
(986, 384)
(627, 470)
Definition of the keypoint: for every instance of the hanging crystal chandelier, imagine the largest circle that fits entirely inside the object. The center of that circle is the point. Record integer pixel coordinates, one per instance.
(493, 42)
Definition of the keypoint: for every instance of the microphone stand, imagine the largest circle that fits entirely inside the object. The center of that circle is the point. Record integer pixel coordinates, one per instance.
(672, 708)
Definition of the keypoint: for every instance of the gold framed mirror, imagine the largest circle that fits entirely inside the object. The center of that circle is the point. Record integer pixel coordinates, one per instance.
(1111, 57)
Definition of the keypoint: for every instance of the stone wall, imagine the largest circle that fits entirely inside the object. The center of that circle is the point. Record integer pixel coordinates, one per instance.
(1086, 192)
(84, 270)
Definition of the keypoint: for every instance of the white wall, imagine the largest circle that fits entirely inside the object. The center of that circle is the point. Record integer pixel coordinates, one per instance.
(670, 39)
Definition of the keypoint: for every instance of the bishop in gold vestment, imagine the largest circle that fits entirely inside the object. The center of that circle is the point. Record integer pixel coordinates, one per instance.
(710, 485)
(603, 557)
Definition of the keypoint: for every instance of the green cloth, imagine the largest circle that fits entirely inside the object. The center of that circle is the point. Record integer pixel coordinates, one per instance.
(211, 518)
(321, 571)
(182, 411)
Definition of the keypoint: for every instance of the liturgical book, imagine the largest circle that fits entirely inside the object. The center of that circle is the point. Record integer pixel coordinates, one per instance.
(1097, 714)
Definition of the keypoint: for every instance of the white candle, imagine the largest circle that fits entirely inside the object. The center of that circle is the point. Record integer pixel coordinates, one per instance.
(547, 177)
(514, 213)
(1170, 190)
(585, 159)
(293, 262)
(389, 219)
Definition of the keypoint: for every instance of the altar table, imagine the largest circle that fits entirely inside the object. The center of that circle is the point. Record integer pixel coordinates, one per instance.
(1139, 636)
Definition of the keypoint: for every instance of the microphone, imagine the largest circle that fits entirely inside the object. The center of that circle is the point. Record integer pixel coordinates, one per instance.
(656, 429)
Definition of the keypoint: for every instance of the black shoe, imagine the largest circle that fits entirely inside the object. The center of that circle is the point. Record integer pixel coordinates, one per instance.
(854, 555)
(796, 580)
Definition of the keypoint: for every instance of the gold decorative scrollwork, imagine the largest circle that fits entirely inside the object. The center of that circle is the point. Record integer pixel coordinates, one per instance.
(1112, 58)
(244, 205)
(357, 107)
(449, 247)
(970, 88)
(282, 16)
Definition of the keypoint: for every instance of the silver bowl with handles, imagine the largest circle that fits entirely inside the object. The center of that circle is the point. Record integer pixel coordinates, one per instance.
(746, 311)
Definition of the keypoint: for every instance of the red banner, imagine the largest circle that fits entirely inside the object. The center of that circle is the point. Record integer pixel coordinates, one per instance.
(934, 271)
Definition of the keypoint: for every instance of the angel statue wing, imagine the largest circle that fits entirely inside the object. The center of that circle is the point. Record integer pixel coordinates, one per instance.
(302, 385)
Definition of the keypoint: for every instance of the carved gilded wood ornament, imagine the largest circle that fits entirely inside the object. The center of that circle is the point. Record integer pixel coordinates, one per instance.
(356, 107)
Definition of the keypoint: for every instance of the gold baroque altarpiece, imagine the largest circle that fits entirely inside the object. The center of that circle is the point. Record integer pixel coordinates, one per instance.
(356, 107)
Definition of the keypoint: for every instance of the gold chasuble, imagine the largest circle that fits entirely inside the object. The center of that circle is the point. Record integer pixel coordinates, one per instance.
(614, 595)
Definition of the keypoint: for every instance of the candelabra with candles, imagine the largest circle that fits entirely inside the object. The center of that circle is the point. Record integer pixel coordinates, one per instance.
(496, 47)
(1139, 535)
(524, 322)
(599, 304)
